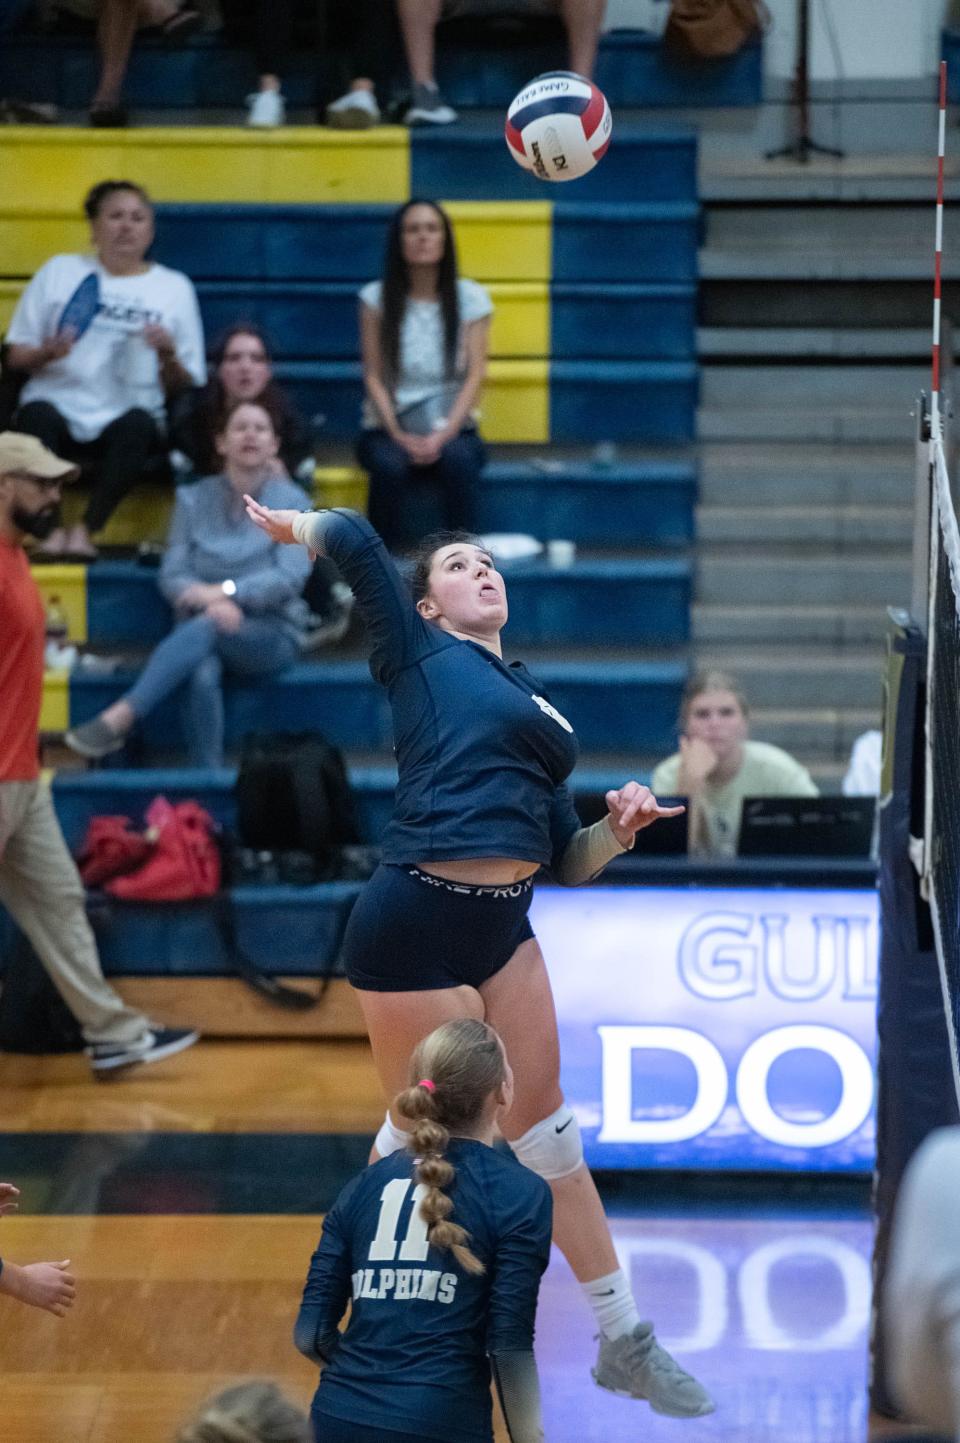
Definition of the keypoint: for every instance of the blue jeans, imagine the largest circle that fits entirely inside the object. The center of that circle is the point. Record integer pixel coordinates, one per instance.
(392, 476)
(195, 656)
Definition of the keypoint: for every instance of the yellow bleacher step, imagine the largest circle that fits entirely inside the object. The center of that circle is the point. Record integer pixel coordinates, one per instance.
(44, 169)
(143, 515)
(516, 401)
(340, 486)
(55, 706)
(503, 240)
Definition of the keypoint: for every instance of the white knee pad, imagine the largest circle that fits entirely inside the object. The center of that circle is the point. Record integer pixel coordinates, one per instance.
(553, 1148)
(390, 1138)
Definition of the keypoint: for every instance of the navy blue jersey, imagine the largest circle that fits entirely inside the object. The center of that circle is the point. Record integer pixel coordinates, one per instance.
(414, 1356)
(482, 755)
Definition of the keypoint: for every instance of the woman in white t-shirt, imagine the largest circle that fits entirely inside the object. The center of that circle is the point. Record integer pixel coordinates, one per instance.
(424, 336)
(101, 374)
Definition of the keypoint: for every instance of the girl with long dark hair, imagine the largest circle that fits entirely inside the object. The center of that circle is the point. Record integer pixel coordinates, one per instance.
(241, 369)
(424, 335)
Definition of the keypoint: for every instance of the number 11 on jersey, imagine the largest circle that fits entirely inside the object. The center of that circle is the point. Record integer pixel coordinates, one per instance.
(414, 1247)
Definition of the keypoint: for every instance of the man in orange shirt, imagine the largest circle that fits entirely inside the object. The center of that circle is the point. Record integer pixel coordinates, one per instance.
(39, 884)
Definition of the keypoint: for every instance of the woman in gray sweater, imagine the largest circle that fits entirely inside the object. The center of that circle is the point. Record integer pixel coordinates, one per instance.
(235, 594)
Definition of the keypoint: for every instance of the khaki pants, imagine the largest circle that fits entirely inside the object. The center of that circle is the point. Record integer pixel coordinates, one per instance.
(41, 889)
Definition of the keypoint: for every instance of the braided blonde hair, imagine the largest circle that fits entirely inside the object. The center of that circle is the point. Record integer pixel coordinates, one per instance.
(250, 1413)
(465, 1063)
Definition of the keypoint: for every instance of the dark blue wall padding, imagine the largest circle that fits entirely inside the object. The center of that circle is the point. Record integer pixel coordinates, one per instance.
(632, 70)
(274, 242)
(602, 602)
(623, 400)
(125, 605)
(622, 322)
(295, 931)
(612, 603)
(632, 63)
(589, 400)
(469, 162)
(915, 1088)
(337, 698)
(618, 706)
(629, 243)
(117, 791)
(317, 320)
(647, 504)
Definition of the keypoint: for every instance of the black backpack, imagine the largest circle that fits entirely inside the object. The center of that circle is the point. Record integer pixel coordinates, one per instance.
(293, 796)
(33, 1016)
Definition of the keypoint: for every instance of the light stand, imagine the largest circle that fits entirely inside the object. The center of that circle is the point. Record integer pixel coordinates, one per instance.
(804, 146)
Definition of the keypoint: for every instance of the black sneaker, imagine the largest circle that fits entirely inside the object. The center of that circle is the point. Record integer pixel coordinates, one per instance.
(153, 1046)
(428, 107)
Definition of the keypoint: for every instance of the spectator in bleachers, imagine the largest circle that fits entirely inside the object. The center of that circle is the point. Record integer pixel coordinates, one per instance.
(117, 23)
(424, 335)
(39, 883)
(419, 20)
(99, 397)
(236, 595)
(241, 370)
(718, 765)
(249, 1413)
(364, 32)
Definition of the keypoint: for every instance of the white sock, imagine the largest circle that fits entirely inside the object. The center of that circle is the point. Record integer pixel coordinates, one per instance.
(612, 1304)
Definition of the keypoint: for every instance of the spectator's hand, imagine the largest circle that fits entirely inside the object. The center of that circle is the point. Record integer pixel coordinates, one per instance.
(43, 1285)
(199, 595)
(416, 448)
(632, 807)
(160, 339)
(8, 1198)
(697, 761)
(54, 348)
(225, 614)
(277, 524)
(431, 447)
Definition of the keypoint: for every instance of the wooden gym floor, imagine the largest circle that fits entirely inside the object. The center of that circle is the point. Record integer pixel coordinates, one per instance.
(190, 1196)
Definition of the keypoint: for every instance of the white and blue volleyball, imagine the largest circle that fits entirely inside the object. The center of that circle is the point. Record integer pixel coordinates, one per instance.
(559, 126)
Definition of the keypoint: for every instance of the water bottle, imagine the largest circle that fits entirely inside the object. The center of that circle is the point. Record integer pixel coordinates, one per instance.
(57, 622)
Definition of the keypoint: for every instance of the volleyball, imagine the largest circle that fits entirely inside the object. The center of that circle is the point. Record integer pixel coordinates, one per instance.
(558, 126)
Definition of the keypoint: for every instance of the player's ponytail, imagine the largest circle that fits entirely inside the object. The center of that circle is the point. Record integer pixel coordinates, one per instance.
(453, 1072)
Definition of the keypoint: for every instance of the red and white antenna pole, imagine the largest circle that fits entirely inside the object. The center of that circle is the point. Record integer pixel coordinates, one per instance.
(938, 261)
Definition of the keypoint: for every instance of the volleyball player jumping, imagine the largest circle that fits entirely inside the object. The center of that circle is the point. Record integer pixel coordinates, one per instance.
(441, 930)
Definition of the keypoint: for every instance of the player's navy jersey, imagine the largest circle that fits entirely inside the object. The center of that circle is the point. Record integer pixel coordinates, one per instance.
(414, 1358)
(482, 755)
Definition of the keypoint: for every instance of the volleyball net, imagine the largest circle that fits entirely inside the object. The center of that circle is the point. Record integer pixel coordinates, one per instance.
(942, 727)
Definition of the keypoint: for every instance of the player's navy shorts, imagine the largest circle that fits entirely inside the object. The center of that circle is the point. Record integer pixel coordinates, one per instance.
(410, 931)
(332, 1430)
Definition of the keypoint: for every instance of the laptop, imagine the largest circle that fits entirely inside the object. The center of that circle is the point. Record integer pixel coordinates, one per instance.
(665, 838)
(806, 826)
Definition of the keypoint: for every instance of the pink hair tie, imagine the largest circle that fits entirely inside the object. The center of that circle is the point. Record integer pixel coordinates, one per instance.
(425, 1082)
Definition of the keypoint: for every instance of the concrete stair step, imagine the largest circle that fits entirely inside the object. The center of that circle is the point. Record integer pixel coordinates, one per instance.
(750, 262)
(875, 230)
(827, 423)
(812, 525)
(791, 678)
(749, 472)
(782, 577)
(801, 342)
(821, 734)
(790, 625)
(815, 387)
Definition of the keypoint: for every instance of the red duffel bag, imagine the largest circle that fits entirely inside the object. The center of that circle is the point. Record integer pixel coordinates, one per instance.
(110, 849)
(184, 861)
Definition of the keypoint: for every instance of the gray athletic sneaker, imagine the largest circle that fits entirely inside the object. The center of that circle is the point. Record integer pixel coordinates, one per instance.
(635, 1366)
